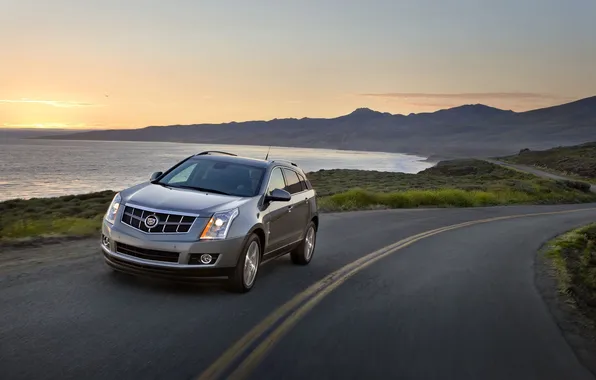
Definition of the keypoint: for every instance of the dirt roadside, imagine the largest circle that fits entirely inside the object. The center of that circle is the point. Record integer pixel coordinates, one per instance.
(578, 330)
(14, 257)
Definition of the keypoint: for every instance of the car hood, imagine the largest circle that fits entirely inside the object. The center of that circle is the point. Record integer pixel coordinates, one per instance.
(181, 200)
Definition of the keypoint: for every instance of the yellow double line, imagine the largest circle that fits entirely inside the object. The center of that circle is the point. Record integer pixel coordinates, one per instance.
(240, 359)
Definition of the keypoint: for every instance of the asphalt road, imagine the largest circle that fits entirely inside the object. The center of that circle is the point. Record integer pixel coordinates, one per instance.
(535, 171)
(459, 304)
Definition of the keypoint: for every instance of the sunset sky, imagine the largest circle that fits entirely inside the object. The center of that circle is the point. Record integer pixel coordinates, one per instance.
(133, 63)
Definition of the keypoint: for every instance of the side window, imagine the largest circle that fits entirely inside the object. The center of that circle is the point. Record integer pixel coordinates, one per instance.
(184, 175)
(276, 181)
(303, 182)
(293, 185)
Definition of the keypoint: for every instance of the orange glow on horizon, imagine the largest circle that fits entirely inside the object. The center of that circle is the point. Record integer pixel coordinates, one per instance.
(46, 126)
(25, 113)
(102, 65)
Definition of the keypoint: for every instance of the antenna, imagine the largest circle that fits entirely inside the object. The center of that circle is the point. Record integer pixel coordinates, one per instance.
(267, 156)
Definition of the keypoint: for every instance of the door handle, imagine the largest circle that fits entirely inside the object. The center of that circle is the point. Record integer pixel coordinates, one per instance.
(290, 208)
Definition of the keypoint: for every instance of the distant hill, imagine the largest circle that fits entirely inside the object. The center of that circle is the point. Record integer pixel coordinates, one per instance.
(468, 130)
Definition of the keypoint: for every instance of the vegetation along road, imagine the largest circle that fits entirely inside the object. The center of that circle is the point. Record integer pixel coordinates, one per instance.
(423, 293)
(535, 171)
(458, 183)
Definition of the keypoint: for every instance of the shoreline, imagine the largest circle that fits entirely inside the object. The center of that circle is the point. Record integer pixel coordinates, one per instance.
(417, 153)
(432, 155)
(117, 173)
(460, 183)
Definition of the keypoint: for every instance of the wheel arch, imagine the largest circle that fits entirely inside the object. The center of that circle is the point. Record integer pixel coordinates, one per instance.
(260, 232)
(315, 220)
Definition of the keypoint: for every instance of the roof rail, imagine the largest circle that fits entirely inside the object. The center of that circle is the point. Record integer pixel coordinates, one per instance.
(287, 161)
(215, 152)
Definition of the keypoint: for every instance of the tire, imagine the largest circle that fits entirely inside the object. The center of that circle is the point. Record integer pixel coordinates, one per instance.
(302, 255)
(239, 281)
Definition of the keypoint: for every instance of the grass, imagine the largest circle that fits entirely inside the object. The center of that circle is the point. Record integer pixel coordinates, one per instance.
(460, 183)
(577, 161)
(70, 215)
(358, 199)
(573, 258)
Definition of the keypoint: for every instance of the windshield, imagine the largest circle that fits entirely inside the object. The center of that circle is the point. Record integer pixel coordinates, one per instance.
(214, 176)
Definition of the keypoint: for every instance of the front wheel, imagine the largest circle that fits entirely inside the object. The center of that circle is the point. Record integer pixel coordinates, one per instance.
(304, 252)
(245, 273)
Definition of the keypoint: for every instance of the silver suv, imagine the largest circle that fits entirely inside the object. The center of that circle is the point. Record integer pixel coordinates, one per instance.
(213, 214)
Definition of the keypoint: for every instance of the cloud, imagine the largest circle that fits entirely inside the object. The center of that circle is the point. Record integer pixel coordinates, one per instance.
(52, 103)
(465, 95)
(434, 105)
(49, 125)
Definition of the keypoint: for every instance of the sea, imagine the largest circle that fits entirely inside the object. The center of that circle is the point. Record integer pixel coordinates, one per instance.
(48, 168)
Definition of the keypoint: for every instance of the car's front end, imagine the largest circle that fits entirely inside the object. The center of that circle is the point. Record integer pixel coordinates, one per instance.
(151, 229)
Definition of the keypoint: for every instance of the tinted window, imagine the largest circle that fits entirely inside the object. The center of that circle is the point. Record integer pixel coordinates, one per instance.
(293, 185)
(276, 181)
(303, 182)
(220, 176)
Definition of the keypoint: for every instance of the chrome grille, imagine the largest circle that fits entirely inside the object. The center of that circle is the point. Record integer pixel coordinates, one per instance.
(167, 222)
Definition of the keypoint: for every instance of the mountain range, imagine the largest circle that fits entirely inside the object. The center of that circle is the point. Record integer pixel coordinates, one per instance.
(467, 130)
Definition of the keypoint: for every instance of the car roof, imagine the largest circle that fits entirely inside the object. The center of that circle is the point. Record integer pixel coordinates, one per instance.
(227, 157)
(234, 159)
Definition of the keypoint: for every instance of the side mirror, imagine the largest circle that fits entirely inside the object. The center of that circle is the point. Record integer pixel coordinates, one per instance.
(155, 176)
(278, 195)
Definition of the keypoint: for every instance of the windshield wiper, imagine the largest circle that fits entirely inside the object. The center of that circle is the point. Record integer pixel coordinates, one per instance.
(203, 189)
(163, 184)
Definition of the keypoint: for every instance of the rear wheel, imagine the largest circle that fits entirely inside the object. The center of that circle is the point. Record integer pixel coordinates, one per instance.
(304, 252)
(245, 273)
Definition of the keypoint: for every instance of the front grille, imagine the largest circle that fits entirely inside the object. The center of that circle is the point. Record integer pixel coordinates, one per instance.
(148, 254)
(167, 223)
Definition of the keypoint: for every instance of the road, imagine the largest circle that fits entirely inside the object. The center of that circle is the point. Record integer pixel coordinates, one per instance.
(535, 171)
(458, 303)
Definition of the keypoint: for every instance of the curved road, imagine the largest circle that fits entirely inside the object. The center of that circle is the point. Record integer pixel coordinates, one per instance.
(535, 171)
(460, 303)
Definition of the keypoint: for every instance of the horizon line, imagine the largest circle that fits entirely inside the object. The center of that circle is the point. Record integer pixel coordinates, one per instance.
(98, 128)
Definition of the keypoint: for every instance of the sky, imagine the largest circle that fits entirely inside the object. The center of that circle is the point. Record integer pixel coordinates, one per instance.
(129, 64)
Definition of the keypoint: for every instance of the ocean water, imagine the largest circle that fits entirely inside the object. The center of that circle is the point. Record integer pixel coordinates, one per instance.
(46, 168)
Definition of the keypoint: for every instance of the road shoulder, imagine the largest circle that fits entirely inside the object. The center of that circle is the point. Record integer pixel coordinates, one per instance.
(578, 330)
(47, 252)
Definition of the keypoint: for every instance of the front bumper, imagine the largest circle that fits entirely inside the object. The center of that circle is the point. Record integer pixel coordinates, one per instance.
(131, 250)
(134, 267)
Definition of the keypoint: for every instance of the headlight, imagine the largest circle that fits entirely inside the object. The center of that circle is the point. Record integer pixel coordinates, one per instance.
(113, 209)
(218, 226)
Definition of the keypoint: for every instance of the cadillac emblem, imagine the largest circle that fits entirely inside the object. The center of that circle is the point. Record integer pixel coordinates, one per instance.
(151, 221)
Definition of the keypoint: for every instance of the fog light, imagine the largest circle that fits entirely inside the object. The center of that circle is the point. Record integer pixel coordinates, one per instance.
(105, 240)
(206, 258)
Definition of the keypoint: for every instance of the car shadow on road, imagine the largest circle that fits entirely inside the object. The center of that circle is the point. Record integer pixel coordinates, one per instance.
(202, 287)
